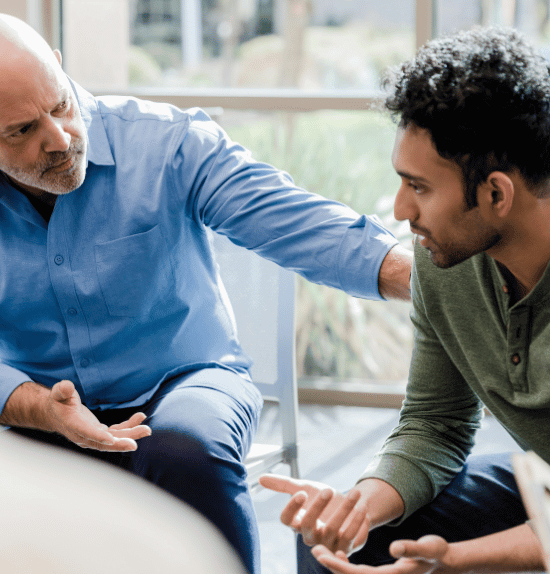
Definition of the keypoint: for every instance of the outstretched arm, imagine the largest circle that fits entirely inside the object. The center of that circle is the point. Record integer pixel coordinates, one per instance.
(60, 410)
(513, 550)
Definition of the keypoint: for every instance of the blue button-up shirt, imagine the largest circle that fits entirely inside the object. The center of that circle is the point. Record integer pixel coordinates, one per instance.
(120, 290)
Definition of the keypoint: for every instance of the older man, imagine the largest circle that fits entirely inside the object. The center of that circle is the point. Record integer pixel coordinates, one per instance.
(473, 154)
(112, 312)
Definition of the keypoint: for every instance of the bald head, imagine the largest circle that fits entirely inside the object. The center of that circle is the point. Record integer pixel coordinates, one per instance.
(42, 136)
(19, 41)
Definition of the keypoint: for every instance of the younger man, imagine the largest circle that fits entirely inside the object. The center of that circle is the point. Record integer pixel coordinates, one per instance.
(473, 154)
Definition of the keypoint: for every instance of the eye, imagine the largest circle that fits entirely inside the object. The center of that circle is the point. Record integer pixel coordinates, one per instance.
(62, 107)
(21, 131)
(415, 187)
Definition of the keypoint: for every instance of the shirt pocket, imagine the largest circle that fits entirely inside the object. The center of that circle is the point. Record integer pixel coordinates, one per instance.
(135, 275)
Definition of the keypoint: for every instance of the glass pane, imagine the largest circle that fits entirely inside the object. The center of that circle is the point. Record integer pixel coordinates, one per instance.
(529, 16)
(306, 44)
(345, 156)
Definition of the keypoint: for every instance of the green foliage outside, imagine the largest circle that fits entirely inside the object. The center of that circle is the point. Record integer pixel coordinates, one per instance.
(345, 156)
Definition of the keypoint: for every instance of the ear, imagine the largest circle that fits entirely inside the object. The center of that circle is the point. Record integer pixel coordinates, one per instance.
(57, 54)
(495, 195)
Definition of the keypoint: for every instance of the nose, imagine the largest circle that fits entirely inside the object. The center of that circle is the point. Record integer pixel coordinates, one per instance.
(56, 137)
(404, 206)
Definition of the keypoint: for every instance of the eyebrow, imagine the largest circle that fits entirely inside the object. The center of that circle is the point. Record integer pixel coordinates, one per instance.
(18, 125)
(419, 178)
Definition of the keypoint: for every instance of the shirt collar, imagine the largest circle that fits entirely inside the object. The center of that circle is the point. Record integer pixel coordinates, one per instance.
(99, 150)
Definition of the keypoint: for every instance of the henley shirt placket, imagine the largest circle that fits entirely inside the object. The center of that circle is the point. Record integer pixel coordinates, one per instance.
(519, 328)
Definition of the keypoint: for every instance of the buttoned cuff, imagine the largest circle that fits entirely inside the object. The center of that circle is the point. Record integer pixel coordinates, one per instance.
(10, 379)
(362, 251)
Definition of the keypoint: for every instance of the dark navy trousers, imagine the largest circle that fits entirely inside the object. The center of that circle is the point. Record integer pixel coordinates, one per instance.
(203, 424)
(482, 499)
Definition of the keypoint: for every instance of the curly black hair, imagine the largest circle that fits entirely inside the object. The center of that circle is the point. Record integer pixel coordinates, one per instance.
(484, 96)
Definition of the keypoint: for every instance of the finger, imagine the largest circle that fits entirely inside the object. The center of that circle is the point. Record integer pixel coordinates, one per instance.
(336, 521)
(309, 527)
(86, 431)
(62, 391)
(428, 547)
(354, 533)
(288, 485)
(119, 445)
(135, 420)
(134, 433)
(336, 564)
(289, 515)
(362, 534)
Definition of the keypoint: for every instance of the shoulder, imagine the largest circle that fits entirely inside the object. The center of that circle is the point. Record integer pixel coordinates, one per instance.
(456, 285)
(116, 109)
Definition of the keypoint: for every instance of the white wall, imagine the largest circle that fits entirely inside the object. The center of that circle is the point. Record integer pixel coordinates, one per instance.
(96, 37)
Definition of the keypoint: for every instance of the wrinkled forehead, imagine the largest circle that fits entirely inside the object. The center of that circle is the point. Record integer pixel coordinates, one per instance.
(28, 87)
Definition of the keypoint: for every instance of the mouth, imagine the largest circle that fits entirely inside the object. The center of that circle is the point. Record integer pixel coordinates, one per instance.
(422, 239)
(61, 167)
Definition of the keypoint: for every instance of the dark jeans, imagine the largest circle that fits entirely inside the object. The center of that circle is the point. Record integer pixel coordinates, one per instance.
(203, 424)
(482, 499)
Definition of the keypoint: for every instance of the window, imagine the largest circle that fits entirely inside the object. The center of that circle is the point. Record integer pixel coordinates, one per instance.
(285, 54)
(529, 16)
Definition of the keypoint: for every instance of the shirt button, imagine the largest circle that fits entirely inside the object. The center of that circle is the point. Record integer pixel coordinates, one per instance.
(84, 363)
(516, 359)
(58, 259)
(505, 289)
(72, 311)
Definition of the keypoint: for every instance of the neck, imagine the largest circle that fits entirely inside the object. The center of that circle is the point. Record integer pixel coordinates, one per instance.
(42, 201)
(43, 196)
(525, 249)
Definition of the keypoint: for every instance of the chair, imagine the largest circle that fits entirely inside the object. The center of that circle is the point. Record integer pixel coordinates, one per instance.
(262, 297)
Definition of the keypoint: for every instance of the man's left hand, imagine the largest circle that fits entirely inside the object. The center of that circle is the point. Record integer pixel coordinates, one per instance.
(426, 555)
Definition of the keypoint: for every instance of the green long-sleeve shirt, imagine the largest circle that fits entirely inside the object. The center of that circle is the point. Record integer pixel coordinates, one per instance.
(471, 349)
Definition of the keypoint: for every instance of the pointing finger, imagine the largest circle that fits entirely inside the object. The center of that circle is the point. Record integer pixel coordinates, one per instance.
(280, 483)
(289, 515)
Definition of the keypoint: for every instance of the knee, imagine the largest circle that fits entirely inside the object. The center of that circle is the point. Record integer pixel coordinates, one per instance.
(173, 459)
(166, 454)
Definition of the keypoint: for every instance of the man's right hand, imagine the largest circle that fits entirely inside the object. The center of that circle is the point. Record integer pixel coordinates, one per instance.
(321, 515)
(77, 423)
(60, 410)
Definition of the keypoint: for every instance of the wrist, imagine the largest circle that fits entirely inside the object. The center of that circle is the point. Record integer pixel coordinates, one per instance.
(384, 503)
(395, 273)
(514, 550)
(27, 407)
(455, 560)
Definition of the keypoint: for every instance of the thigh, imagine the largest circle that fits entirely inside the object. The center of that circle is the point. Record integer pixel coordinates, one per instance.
(203, 424)
(215, 406)
(482, 499)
